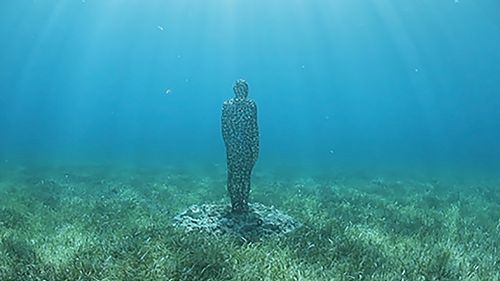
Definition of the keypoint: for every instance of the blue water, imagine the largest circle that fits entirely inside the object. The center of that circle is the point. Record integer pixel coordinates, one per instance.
(370, 83)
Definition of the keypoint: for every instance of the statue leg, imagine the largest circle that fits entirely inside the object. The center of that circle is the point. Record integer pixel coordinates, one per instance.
(232, 186)
(240, 165)
(245, 186)
(238, 186)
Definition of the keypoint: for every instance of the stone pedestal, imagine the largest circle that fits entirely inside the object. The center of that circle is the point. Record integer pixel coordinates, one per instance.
(258, 222)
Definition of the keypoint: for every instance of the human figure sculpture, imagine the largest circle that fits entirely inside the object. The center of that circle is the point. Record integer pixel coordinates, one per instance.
(249, 221)
(241, 138)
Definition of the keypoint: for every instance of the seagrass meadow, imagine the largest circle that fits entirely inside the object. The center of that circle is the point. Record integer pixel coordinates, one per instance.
(107, 223)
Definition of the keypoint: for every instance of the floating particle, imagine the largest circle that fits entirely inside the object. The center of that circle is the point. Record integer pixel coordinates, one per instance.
(168, 91)
(161, 28)
(417, 70)
(327, 117)
(331, 151)
(302, 66)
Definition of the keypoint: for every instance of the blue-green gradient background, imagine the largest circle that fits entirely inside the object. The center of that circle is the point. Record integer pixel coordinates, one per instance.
(372, 84)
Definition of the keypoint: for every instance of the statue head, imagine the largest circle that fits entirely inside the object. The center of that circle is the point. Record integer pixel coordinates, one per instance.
(240, 89)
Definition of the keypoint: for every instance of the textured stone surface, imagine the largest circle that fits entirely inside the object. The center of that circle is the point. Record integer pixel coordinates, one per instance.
(241, 138)
(216, 219)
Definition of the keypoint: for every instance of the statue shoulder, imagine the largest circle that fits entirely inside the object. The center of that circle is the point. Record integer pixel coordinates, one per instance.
(252, 103)
(227, 103)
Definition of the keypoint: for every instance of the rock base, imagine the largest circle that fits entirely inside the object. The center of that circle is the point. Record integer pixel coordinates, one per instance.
(259, 221)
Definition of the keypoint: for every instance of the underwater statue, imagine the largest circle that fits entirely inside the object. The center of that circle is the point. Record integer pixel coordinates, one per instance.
(241, 138)
(250, 221)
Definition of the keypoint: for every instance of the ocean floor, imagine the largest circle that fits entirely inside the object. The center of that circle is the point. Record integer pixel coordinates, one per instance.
(100, 223)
